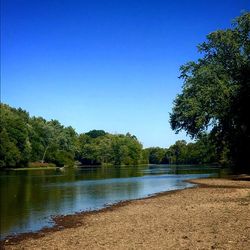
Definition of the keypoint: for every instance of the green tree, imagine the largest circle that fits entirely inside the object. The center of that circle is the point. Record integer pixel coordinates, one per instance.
(216, 93)
(25, 139)
(157, 155)
(60, 144)
(177, 153)
(109, 149)
(9, 154)
(38, 137)
(96, 133)
(14, 121)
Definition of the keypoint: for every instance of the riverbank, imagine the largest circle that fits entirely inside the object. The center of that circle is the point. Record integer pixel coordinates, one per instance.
(214, 215)
(28, 168)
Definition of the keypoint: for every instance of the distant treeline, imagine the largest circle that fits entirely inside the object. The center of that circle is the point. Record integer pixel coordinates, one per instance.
(200, 152)
(25, 139)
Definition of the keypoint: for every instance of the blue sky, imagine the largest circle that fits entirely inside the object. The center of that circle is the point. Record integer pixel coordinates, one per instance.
(105, 64)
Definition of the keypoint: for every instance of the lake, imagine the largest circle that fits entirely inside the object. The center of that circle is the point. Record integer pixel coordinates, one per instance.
(30, 198)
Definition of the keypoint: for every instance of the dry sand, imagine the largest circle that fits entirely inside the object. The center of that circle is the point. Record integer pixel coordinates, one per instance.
(215, 215)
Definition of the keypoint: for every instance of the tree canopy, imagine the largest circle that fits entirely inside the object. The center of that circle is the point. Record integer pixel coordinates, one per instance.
(216, 93)
(110, 149)
(200, 152)
(25, 139)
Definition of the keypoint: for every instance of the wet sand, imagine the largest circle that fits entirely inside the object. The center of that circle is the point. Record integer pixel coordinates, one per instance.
(214, 215)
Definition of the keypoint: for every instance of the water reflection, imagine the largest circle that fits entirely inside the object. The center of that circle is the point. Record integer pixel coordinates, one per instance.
(29, 198)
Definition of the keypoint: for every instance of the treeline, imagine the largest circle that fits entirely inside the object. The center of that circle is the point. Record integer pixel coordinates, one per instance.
(25, 139)
(98, 147)
(199, 152)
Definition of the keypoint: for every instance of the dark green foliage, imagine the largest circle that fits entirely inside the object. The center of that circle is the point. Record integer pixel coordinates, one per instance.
(157, 155)
(27, 139)
(14, 122)
(96, 133)
(201, 152)
(61, 158)
(216, 94)
(9, 153)
(178, 153)
(109, 149)
(30, 140)
(38, 135)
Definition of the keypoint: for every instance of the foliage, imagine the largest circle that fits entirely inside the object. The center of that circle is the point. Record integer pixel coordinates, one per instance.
(27, 139)
(157, 155)
(41, 165)
(96, 133)
(35, 142)
(200, 152)
(216, 93)
(9, 153)
(109, 149)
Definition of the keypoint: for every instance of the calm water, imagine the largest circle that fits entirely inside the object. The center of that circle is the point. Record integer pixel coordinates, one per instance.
(30, 198)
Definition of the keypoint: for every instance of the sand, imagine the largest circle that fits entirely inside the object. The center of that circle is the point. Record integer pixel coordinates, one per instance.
(214, 215)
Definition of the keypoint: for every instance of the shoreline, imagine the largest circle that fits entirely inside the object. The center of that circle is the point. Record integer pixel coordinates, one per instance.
(80, 220)
(71, 220)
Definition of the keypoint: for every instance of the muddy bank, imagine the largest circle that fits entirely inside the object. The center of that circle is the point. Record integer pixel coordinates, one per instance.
(214, 215)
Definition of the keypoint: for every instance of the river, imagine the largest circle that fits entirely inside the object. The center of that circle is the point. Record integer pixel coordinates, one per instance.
(29, 199)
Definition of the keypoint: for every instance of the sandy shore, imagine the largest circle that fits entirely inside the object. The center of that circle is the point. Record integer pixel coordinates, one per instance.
(215, 215)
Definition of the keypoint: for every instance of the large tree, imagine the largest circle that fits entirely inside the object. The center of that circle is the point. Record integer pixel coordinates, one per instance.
(216, 93)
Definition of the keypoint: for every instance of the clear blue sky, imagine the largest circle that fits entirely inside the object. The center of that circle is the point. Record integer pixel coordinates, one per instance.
(105, 64)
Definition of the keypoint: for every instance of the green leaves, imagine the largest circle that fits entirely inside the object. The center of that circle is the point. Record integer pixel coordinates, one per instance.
(9, 153)
(25, 139)
(199, 152)
(109, 149)
(215, 89)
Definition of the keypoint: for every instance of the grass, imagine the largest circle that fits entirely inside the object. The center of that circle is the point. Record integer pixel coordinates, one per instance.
(36, 168)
